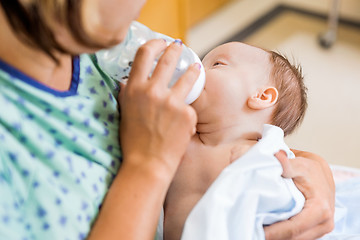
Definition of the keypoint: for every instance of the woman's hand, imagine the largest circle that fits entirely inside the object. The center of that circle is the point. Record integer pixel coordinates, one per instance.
(313, 177)
(156, 124)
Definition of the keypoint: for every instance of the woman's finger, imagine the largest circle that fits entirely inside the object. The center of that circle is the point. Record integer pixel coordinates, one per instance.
(305, 225)
(183, 86)
(285, 164)
(167, 63)
(284, 230)
(325, 169)
(317, 232)
(306, 172)
(298, 167)
(144, 60)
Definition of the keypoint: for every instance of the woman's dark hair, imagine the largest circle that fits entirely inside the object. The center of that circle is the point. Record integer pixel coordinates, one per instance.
(28, 19)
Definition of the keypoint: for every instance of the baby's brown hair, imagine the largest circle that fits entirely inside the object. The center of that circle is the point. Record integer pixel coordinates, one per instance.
(292, 102)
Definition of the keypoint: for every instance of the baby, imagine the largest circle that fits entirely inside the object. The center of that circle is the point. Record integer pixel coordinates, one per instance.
(246, 87)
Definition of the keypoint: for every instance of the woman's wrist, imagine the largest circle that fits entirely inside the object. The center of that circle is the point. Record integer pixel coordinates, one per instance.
(138, 191)
(153, 168)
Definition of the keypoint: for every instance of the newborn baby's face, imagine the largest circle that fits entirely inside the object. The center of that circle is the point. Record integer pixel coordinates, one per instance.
(234, 71)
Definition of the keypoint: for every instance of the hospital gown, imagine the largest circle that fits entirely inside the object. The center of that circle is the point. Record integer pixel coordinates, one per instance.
(59, 152)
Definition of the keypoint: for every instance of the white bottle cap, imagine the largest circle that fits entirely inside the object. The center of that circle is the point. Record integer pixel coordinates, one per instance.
(198, 86)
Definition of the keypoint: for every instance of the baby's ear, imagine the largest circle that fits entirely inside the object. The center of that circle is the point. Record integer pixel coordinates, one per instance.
(264, 98)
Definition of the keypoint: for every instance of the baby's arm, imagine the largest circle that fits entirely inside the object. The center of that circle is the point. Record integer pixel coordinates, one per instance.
(313, 177)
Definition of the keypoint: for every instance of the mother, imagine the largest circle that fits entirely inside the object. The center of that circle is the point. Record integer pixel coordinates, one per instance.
(59, 125)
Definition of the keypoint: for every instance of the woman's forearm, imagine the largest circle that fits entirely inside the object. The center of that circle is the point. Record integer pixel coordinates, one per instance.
(132, 206)
(156, 127)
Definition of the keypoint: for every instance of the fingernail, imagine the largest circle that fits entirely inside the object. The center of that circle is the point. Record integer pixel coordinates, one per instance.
(198, 65)
(178, 41)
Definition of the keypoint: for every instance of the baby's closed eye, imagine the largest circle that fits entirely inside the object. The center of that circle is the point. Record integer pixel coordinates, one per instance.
(218, 63)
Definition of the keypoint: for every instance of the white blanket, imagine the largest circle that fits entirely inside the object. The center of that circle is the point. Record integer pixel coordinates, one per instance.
(247, 194)
(347, 204)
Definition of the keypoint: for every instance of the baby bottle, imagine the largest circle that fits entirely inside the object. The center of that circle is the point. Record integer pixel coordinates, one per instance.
(117, 61)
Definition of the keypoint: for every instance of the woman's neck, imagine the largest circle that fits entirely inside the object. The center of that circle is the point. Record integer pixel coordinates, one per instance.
(33, 62)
